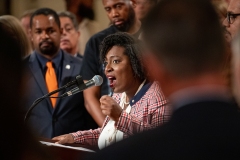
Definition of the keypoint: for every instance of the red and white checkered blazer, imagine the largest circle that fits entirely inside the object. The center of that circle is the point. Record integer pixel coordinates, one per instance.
(147, 113)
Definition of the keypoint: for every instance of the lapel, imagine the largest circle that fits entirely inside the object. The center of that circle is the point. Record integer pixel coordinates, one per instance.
(38, 75)
(67, 69)
(67, 73)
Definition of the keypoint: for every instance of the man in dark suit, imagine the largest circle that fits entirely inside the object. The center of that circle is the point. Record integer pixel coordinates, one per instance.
(186, 54)
(49, 119)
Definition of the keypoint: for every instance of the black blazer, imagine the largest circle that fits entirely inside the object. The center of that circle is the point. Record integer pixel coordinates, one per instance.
(69, 114)
(204, 130)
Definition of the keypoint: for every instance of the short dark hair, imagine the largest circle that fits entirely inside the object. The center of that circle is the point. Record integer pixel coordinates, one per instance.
(186, 36)
(71, 16)
(46, 12)
(132, 50)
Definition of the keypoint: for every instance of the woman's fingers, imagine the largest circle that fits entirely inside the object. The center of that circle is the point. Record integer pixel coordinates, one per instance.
(67, 138)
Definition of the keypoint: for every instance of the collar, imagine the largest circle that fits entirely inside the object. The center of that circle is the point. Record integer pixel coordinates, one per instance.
(141, 93)
(200, 93)
(56, 60)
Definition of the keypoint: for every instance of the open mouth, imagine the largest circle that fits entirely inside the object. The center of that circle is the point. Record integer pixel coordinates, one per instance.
(112, 81)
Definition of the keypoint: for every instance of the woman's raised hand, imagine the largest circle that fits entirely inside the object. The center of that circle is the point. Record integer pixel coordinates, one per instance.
(110, 107)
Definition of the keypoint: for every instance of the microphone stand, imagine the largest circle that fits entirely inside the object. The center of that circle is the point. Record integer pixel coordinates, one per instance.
(78, 81)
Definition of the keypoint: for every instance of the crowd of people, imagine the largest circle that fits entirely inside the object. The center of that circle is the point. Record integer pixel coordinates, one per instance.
(165, 93)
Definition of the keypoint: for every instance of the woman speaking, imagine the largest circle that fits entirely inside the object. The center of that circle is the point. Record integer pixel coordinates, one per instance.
(136, 105)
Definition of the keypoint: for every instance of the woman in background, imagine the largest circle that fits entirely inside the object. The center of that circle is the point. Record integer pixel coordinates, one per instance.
(13, 24)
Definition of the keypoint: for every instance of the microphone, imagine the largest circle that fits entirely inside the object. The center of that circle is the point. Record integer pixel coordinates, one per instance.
(95, 81)
(78, 81)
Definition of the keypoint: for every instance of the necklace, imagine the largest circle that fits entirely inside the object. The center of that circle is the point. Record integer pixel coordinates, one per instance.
(125, 102)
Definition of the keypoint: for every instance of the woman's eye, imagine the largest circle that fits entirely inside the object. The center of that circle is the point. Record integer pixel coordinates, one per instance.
(116, 61)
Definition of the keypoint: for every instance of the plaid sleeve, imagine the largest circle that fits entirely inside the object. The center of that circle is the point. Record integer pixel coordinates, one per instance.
(89, 137)
(149, 112)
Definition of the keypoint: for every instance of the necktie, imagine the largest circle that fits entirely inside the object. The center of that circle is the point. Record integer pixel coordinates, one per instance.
(51, 81)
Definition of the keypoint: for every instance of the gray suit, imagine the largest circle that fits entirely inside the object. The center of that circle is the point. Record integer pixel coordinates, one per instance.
(69, 114)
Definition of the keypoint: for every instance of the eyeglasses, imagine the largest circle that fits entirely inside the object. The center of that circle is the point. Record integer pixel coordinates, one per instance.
(231, 17)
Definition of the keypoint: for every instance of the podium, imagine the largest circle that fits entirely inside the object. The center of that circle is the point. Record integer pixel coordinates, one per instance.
(67, 151)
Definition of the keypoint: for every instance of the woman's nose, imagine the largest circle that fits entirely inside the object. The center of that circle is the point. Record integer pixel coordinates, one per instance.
(108, 68)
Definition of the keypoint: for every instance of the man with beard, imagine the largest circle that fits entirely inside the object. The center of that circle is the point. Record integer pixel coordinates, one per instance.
(122, 17)
(232, 20)
(52, 116)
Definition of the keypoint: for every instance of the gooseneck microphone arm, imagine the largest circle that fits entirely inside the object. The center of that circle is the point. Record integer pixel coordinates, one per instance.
(78, 81)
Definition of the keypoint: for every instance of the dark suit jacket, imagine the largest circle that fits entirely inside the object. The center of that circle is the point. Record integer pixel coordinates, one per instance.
(204, 130)
(69, 114)
(79, 56)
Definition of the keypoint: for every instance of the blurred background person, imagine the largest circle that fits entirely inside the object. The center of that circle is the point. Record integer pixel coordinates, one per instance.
(137, 105)
(70, 35)
(15, 26)
(122, 17)
(235, 67)
(231, 25)
(221, 8)
(25, 21)
(232, 20)
(143, 7)
(17, 142)
(83, 9)
(186, 54)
